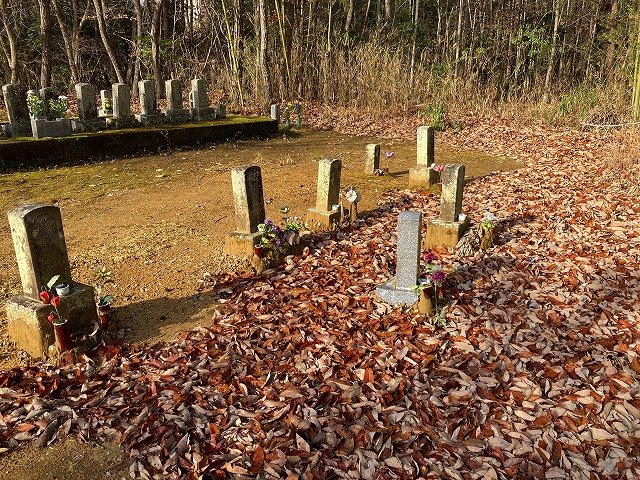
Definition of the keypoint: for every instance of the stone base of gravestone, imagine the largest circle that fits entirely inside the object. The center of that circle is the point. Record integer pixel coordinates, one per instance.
(104, 113)
(322, 218)
(390, 293)
(423, 177)
(16, 129)
(88, 126)
(241, 244)
(202, 114)
(123, 122)
(51, 128)
(150, 119)
(27, 323)
(177, 115)
(221, 111)
(445, 234)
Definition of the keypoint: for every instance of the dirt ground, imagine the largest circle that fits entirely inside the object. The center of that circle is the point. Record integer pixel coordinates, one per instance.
(159, 223)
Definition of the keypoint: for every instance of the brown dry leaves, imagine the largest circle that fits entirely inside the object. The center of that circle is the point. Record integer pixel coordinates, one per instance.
(304, 374)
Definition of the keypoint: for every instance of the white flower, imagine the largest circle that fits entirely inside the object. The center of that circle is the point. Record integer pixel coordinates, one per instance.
(62, 97)
(489, 217)
(352, 195)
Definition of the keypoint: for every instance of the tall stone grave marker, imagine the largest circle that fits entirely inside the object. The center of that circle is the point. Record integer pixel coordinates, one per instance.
(86, 96)
(17, 110)
(175, 112)
(149, 113)
(199, 101)
(400, 289)
(121, 103)
(373, 158)
(275, 112)
(106, 102)
(248, 202)
(41, 253)
(423, 175)
(448, 228)
(325, 213)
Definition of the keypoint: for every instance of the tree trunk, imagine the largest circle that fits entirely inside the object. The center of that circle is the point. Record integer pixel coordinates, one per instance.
(137, 74)
(349, 20)
(104, 35)
(413, 43)
(458, 36)
(11, 36)
(44, 7)
(264, 66)
(611, 49)
(155, 41)
(552, 54)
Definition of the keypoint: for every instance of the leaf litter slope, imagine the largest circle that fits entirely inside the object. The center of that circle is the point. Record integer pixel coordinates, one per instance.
(305, 373)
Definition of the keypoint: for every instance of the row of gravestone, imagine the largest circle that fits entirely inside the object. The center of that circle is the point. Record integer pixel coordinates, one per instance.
(41, 250)
(116, 108)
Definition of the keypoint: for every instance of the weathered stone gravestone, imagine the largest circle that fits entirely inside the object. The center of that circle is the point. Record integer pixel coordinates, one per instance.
(221, 110)
(41, 252)
(248, 202)
(17, 110)
(423, 175)
(106, 102)
(51, 128)
(149, 113)
(327, 209)
(175, 111)
(199, 101)
(275, 112)
(448, 228)
(400, 289)
(121, 106)
(87, 110)
(372, 162)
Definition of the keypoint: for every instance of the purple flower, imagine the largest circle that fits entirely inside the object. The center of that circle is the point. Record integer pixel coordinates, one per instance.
(389, 154)
(429, 257)
(278, 243)
(438, 277)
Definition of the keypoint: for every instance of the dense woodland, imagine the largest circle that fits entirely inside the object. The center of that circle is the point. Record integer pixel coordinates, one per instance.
(375, 54)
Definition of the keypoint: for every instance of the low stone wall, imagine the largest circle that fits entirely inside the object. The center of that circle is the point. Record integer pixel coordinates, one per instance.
(28, 153)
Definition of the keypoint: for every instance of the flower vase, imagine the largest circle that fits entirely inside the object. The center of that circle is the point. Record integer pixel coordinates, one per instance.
(288, 122)
(440, 292)
(258, 250)
(104, 315)
(425, 301)
(299, 121)
(63, 337)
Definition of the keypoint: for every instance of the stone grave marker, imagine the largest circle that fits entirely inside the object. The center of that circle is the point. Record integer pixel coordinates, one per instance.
(50, 126)
(221, 110)
(275, 112)
(17, 110)
(373, 158)
(149, 113)
(47, 94)
(448, 228)
(121, 104)
(175, 112)
(248, 203)
(41, 253)
(87, 110)
(105, 99)
(400, 289)
(199, 101)
(327, 209)
(423, 175)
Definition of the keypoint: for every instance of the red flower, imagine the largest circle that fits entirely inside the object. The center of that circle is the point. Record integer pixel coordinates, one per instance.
(51, 317)
(55, 301)
(45, 297)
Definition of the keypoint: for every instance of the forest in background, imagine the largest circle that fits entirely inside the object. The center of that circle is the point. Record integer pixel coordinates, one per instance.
(577, 60)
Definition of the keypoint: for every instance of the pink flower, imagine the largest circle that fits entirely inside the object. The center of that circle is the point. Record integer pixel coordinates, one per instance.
(45, 297)
(438, 168)
(429, 257)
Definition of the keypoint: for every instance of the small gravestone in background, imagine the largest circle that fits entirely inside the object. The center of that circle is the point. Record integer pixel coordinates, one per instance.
(41, 253)
(175, 112)
(17, 110)
(275, 112)
(106, 102)
(450, 226)
(423, 175)
(373, 158)
(121, 104)
(327, 210)
(199, 101)
(248, 202)
(221, 110)
(401, 288)
(149, 113)
(87, 111)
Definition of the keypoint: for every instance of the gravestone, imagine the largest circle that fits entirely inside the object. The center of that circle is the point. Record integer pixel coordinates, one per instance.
(221, 110)
(62, 127)
(17, 111)
(48, 94)
(373, 158)
(400, 289)
(121, 104)
(149, 113)
(199, 101)
(175, 112)
(106, 102)
(423, 175)
(448, 228)
(41, 253)
(248, 202)
(86, 96)
(275, 112)
(325, 212)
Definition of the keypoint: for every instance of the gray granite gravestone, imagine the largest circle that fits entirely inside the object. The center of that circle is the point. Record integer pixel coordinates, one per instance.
(248, 202)
(372, 162)
(423, 175)
(106, 102)
(17, 110)
(275, 112)
(325, 212)
(199, 101)
(121, 104)
(400, 289)
(175, 112)
(41, 253)
(149, 113)
(86, 97)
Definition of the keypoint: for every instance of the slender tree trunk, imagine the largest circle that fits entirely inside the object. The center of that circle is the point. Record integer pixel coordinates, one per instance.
(155, 42)
(137, 74)
(44, 7)
(348, 22)
(104, 35)
(238, 37)
(13, 41)
(264, 66)
(552, 54)
(459, 36)
(611, 49)
(413, 43)
(387, 10)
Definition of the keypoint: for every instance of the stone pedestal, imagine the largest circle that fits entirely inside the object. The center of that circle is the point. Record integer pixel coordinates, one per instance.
(27, 323)
(177, 115)
(445, 234)
(241, 244)
(422, 177)
(202, 114)
(51, 128)
(324, 218)
(151, 119)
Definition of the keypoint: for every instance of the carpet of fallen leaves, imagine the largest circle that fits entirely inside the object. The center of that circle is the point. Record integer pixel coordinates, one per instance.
(305, 374)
